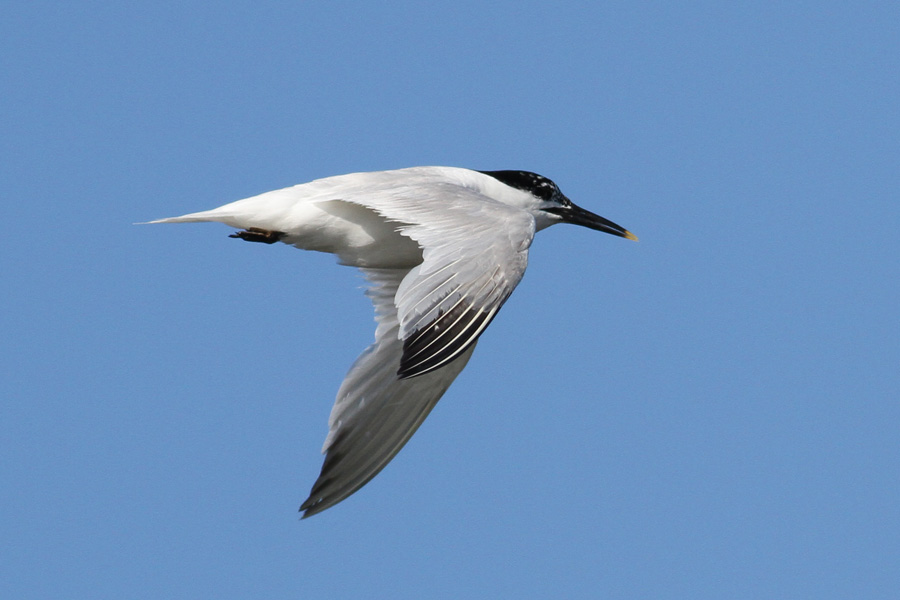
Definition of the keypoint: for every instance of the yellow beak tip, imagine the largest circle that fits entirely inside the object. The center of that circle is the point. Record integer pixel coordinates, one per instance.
(631, 236)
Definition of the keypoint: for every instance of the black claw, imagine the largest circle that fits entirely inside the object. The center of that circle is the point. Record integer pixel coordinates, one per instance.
(255, 234)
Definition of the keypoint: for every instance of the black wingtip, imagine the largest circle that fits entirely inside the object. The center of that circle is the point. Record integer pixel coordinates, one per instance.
(307, 509)
(314, 504)
(318, 499)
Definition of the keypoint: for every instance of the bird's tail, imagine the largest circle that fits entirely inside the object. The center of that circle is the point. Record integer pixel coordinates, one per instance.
(265, 211)
(217, 215)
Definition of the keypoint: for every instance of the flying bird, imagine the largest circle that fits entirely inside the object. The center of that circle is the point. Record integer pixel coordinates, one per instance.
(442, 249)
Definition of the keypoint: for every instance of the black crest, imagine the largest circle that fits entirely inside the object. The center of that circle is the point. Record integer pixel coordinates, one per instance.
(527, 181)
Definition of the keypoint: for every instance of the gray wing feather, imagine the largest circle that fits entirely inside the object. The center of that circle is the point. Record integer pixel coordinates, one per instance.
(376, 412)
(429, 319)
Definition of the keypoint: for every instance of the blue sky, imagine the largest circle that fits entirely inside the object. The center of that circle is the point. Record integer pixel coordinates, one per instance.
(709, 413)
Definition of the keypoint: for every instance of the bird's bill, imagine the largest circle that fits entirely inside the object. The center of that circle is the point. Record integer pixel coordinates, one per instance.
(578, 216)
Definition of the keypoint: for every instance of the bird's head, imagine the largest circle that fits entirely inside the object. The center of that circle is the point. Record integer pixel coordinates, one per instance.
(550, 206)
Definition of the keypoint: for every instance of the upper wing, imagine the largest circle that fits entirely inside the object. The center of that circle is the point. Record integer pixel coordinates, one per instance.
(375, 413)
(429, 318)
(474, 250)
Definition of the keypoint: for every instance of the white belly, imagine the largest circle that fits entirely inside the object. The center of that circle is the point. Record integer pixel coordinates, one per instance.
(357, 235)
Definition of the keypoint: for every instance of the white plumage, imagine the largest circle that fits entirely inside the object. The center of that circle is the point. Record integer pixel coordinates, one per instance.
(442, 249)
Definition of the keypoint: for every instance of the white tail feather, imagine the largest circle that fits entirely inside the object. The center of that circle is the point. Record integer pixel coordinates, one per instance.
(198, 217)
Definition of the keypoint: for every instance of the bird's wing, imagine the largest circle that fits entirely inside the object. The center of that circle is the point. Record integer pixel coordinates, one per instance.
(429, 318)
(376, 412)
(474, 250)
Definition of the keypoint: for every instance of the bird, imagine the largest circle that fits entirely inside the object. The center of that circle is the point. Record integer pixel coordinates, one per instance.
(442, 249)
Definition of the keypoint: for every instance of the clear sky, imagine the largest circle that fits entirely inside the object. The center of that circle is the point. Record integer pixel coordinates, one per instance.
(713, 412)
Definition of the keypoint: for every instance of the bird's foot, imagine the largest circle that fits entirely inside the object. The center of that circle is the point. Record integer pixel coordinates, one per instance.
(255, 234)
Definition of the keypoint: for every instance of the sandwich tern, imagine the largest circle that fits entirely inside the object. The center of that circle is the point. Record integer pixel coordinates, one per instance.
(442, 249)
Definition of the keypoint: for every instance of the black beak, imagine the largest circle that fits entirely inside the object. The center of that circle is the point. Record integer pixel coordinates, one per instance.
(578, 216)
